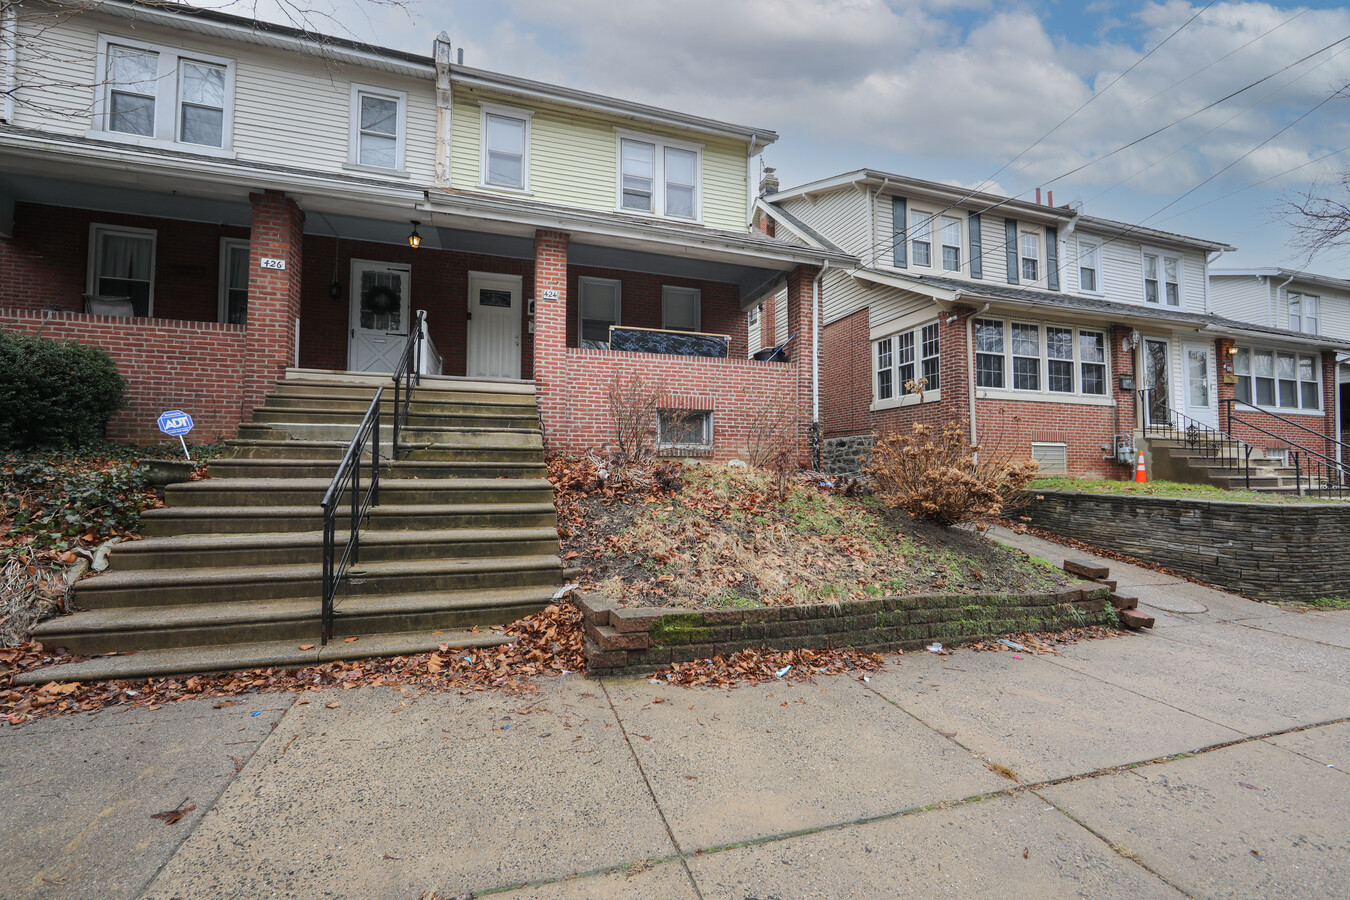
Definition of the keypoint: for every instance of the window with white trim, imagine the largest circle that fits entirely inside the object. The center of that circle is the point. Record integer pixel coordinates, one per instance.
(1029, 248)
(904, 359)
(754, 316)
(505, 143)
(659, 177)
(1088, 255)
(1162, 279)
(681, 308)
(1071, 360)
(122, 265)
(598, 302)
(920, 238)
(161, 95)
(951, 244)
(685, 429)
(377, 128)
(233, 304)
(1303, 313)
(1278, 380)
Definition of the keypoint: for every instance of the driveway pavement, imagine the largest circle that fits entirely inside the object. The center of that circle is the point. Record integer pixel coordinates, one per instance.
(1209, 758)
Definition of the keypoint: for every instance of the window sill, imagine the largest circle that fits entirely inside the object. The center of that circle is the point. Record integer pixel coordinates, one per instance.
(1278, 411)
(505, 188)
(660, 217)
(375, 170)
(1043, 397)
(149, 143)
(906, 400)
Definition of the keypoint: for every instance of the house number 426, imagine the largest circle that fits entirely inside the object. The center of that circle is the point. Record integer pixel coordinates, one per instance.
(268, 262)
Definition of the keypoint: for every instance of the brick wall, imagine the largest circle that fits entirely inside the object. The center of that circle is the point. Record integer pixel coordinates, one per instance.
(45, 264)
(276, 232)
(193, 366)
(1285, 434)
(439, 284)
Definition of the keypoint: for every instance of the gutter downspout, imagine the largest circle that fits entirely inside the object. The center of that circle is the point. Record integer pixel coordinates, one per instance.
(1275, 302)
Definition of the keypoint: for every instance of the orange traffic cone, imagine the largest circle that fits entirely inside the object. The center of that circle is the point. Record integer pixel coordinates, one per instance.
(1141, 473)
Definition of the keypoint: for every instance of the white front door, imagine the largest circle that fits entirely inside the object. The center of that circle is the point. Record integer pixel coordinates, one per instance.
(380, 315)
(494, 326)
(1201, 390)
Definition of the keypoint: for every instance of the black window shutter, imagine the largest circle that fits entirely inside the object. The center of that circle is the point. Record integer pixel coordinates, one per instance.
(899, 217)
(1052, 258)
(976, 250)
(1010, 244)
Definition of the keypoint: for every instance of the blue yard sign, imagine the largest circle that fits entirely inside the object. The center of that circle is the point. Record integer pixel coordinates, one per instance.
(176, 423)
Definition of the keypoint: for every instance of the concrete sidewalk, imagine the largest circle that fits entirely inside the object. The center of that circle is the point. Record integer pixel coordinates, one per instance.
(1209, 758)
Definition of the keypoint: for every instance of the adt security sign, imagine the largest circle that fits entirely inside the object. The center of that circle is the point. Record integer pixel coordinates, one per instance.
(176, 423)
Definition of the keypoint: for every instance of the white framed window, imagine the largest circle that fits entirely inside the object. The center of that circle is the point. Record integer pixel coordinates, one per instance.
(660, 176)
(506, 147)
(122, 265)
(1303, 313)
(920, 238)
(155, 95)
(903, 359)
(1162, 278)
(685, 429)
(1053, 457)
(1044, 359)
(1089, 264)
(754, 316)
(681, 308)
(598, 307)
(1278, 380)
(233, 301)
(377, 127)
(951, 244)
(1029, 249)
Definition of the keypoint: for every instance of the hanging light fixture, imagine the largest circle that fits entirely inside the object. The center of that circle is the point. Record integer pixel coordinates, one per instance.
(415, 239)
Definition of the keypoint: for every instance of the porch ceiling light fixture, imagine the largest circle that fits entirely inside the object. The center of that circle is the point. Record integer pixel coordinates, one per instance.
(415, 239)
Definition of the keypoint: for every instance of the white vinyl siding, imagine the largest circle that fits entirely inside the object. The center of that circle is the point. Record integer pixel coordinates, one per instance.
(1241, 297)
(288, 109)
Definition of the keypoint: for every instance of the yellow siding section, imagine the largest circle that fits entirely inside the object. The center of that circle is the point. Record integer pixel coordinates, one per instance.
(574, 157)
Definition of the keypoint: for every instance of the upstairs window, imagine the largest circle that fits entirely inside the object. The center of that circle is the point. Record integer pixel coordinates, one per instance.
(1303, 313)
(659, 178)
(1162, 279)
(506, 142)
(1087, 265)
(921, 238)
(951, 244)
(160, 95)
(1029, 246)
(377, 118)
(122, 265)
(598, 309)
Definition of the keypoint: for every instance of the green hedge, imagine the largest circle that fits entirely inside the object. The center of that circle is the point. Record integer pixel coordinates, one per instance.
(55, 393)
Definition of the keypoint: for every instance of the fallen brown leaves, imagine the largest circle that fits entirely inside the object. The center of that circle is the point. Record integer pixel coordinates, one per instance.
(1043, 642)
(760, 665)
(547, 643)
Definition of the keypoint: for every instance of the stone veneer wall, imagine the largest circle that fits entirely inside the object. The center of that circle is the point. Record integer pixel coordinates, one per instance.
(846, 455)
(623, 641)
(1270, 551)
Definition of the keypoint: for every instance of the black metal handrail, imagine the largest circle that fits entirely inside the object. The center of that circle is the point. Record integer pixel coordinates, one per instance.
(347, 481)
(1326, 438)
(1325, 475)
(407, 375)
(1200, 437)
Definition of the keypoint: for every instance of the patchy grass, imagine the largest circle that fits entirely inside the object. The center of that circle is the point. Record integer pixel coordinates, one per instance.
(1319, 603)
(1164, 489)
(728, 539)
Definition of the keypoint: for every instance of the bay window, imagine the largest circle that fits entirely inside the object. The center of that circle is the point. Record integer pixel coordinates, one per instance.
(1278, 380)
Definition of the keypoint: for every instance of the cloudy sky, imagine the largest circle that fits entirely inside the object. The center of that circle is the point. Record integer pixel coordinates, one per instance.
(965, 91)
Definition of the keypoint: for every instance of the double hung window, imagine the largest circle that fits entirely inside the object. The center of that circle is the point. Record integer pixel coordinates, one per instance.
(1278, 380)
(158, 94)
(921, 238)
(1303, 313)
(377, 124)
(598, 304)
(1162, 279)
(681, 308)
(506, 141)
(903, 359)
(951, 244)
(659, 178)
(1030, 251)
(1088, 253)
(122, 265)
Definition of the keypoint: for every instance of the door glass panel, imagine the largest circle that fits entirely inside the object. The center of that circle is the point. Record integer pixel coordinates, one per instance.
(381, 300)
(497, 299)
(1197, 378)
(1155, 379)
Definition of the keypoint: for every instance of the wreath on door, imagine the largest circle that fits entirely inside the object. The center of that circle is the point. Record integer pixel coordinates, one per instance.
(381, 299)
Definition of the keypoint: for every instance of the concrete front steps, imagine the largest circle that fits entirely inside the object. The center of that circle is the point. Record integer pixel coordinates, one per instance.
(229, 574)
(1175, 460)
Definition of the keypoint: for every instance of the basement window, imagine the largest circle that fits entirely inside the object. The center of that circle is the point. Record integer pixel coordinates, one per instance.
(1052, 455)
(685, 430)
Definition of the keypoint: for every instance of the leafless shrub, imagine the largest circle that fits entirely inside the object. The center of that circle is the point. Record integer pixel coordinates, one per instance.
(772, 428)
(635, 409)
(28, 594)
(935, 474)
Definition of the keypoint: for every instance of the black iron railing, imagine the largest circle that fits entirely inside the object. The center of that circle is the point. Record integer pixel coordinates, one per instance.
(1199, 437)
(407, 375)
(1315, 473)
(347, 483)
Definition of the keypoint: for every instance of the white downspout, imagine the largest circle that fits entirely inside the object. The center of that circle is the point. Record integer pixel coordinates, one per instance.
(1275, 306)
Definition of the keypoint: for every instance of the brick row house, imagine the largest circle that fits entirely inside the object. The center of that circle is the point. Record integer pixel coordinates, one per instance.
(1056, 335)
(215, 200)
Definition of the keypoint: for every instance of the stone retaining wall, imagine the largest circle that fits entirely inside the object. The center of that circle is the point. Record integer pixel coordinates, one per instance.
(630, 641)
(846, 455)
(1270, 551)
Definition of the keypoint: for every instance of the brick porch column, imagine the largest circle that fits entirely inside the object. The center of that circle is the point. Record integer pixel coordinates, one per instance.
(1330, 400)
(276, 233)
(799, 323)
(550, 329)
